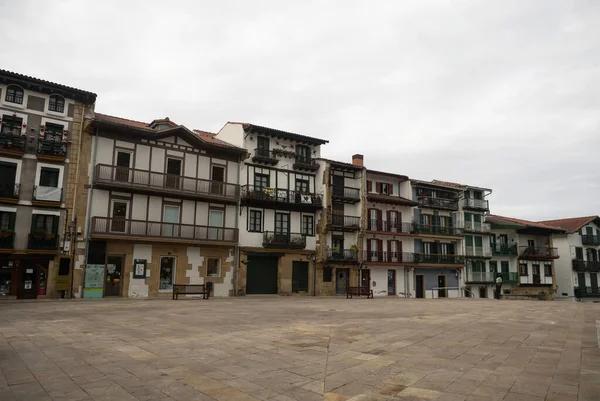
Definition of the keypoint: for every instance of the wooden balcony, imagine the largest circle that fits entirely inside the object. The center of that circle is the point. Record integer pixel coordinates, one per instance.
(160, 184)
(593, 240)
(265, 156)
(140, 230)
(504, 250)
(12, 143)
(305, 163)
(586, 265)
(345, 194)
(343, 223)
(51, 150)
(9, 193)
(474, 204)
(390, 227)
(438, 203)
(471, 227)
(43, 242)
(342, 256)
(537, 253)
(425, 229)
(277, 198)
(284, 240)
(412, 258)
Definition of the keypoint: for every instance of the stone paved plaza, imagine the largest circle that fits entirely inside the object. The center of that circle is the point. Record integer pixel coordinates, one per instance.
(299, 348)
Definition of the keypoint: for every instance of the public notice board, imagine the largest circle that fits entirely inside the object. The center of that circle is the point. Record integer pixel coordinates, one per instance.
(94, 281)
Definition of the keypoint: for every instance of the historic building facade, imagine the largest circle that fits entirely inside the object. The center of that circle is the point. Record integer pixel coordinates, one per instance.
(280, 208)
(158, 206)
(41, 125)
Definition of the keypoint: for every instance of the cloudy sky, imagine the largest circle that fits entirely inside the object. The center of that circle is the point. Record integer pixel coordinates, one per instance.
(502, 94)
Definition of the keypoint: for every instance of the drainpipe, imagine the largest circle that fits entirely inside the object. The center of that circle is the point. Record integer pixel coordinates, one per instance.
(236, 258)
(89, 211)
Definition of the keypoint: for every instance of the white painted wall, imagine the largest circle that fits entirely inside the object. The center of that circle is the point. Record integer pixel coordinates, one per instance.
(233, 134)
(105, 151)
(142, 157)
(138, 287)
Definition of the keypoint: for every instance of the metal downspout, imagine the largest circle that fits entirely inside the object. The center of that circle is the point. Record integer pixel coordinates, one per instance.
(89, 211)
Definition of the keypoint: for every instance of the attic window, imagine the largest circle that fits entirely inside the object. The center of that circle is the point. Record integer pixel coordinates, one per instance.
(57, 104)
(14, 94)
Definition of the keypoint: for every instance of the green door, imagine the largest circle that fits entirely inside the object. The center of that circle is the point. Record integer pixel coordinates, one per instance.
(299, 276)
(261, 277)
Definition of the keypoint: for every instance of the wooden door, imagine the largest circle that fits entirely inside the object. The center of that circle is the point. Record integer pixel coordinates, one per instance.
(299, 276)
(173, 173)
(341, 280)
(365, 278)
(536, 274)
(114, 276)
(217, 185)
(420, 286)
(391, 277)
(442, 292)
(123, 165)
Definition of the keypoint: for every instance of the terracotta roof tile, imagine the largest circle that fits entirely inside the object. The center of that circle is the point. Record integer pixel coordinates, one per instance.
(500, 219)
(210, 138)
(16, 75)
(121, 121)
(450, 184)
(570, 224)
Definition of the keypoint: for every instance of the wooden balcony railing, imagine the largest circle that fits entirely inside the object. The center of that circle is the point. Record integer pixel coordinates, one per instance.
(502, 249)
(390, 226)
(408, 257)
(437, 230)
(272, 239)
(149, 180)
(590, 239)
(10, 191)
(43, 242)
(7, 239)
(302, 162)
(586, 265)
(277, 197)
(345, 193)
(161, 230)
(265, 156)
(474, 204)
(343, 255)
(538, 252)
(344, 222)
(438, 203)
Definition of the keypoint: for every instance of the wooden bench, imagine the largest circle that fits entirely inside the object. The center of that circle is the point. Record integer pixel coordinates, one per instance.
(191, 289)
(359, 291)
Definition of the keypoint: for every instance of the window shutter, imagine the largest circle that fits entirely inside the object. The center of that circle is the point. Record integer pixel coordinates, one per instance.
(391, 189)
(378, 187)
(418, 246)
(369, 250)
(389, 251)
(369, 186)
(380, 248)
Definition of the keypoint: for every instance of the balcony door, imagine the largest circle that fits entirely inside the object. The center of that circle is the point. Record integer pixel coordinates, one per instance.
(536, 274)
(217, 186)
(282, 227)
(337, 245)
(170, 226)
(119, 216)
(303, 153)
(122, 169)
(173, 173)
(393, 221)
(337, 181)
(262, 146)
(337, 214)
(8, 176)
(216, 220)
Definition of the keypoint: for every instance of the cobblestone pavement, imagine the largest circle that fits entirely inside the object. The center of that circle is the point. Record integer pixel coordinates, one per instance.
(299, 348)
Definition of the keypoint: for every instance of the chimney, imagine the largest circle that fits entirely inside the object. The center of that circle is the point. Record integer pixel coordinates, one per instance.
(357, 160)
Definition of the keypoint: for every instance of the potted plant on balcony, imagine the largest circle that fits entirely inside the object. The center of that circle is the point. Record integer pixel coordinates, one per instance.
(43, 235)
(354, 251)
(5, 232)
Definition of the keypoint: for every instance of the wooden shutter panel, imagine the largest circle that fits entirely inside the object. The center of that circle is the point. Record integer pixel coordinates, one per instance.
(369, 186)
(399, 250)
(369, 250)
(391, 189)
(380, 248)
(378, 187)
(389, 251)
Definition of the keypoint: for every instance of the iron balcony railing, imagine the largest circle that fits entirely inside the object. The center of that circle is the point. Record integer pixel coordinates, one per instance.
(343, 255)
(490, 277)
(390, 226)
(10, 191)
(52, 148)
(349, 193)
(408, 257)
(266, 155)
(587, 291)
(477, 227)
(49, 194)
(586, 265)
(7, 239)
(281, 196)
(161, 230)
(477, 251)
(344, 221)
(305, 162)
(43, 241)
(13, 141)
(144, 179)
(538, 252)
(437, 230)
(590, 239)
(502, 249)
(468, 203)
(438, 203)
(284, 240)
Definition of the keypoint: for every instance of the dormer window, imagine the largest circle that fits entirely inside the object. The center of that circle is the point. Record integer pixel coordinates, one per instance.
(57, 104)
(14, 94)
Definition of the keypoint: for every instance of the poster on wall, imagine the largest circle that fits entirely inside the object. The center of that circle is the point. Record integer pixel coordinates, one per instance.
(139, 268)
(94, 281)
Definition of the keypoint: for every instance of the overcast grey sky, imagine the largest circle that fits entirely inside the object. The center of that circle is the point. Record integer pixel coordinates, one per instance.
(500, 94)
